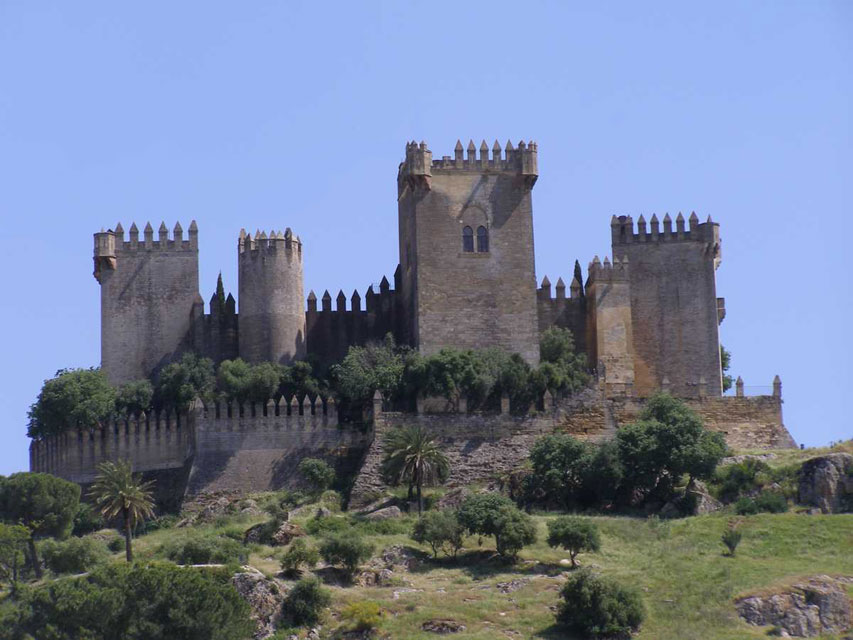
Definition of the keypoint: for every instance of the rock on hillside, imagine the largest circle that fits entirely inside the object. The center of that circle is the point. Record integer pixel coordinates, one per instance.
(265, 596)
(810, 608)
(827, 482)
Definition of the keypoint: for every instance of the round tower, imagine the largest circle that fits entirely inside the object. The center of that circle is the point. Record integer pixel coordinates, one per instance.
(272, 312)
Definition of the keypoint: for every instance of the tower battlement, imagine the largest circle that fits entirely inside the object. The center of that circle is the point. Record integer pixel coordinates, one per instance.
(607, 272)
(622, 229)
(275, 242)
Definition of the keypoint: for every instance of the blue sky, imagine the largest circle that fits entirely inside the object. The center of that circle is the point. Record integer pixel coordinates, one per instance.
(274, 114)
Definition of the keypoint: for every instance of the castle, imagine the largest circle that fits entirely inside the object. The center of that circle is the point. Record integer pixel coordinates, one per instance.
(648, 321)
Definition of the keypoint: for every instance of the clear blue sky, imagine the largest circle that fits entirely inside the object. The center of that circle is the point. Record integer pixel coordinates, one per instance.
(274, 114)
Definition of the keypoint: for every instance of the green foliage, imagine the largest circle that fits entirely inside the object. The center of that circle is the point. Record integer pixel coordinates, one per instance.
(135, 397)
(413, 457)
(74, 555)
(736, 479)
(244, 382)
(74, 399)
(116, 544)
(118, 493)
(731, 537)
(450, 374)
(316, 473)
(13, 543)
(766, 501)
(306, 601)
(491, 514)
(374, 367)
(578, 275)
(441, 530)
(203, 550)
(565, 371)
(299, 380)
(347, 550)
(299, 554)
(362, 616)
(135, 602)
(574, 535)
(43, 503)
(597, 607)
(726, 362)
(86, 520)
(179, 383)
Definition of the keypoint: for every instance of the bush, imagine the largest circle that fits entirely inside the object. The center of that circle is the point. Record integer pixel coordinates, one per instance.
(347, 550)
(86, 520)
(597, 607)
(767, 501)
(441, 531)
(362, 616)
(75, 555)
(574, 535)
(491, 514)
(116, 544)
(135, 602)
(317, 473)
(731, 538)
(739, 478)
(305, 602)
(166, 521)
(298, 554)
(204, 550)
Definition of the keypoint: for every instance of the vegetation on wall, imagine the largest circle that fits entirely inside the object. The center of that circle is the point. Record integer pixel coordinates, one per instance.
(74, 399)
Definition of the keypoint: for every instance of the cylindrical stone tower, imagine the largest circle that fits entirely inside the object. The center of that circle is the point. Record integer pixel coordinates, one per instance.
(272, 312)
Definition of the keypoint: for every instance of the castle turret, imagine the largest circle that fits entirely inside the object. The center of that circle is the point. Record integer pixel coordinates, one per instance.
(272, 311)
(148, 293)
(674, 303)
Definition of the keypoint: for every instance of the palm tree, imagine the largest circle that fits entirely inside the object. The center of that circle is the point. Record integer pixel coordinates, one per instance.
(412, 456)
(116, 492)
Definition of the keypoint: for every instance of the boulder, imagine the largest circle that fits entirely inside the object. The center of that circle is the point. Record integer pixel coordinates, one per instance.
(265, 597)
(384, 514)
(443, 626)
(452, 499)
(702, 501)
(826, 482)
(819, 605)
(286, 533)
(376, 505)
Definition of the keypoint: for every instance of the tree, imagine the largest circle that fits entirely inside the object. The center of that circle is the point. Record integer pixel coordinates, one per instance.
(244, 382)
(299, 553)
(441, 530)
(316, 473)
(597, 607)
(731, 537)
(563, 369)
(117, 492)
(74, 555)
(346, 549)
(306, 601)
(413, 456)
(491, 514)
(574, 535)
(725, 363)
(13, 542)
(42, 503)
(557, 462)
(135, 397)
(378, 366)
(179, 383)
(450, 373)
(74, 399)
(578, 275)
(298, 380)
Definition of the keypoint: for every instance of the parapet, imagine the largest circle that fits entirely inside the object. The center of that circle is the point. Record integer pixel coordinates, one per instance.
(522, 160)
(622, 230)
(111, 243)
(274, 243)
(544, 291)
(605, 272)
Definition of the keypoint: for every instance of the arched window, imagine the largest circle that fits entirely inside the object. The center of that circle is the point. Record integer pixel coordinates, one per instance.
(482, 239)
(468, 240)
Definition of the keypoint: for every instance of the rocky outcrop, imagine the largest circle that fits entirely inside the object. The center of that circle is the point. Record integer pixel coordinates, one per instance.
(443, 626)
(810, 608)
(265, 597)
(384, 514)
(826, 482)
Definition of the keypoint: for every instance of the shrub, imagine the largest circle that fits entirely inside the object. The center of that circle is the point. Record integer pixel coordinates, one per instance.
(768, 501)
(739, 478)
(317, 473)
(116, 544)
(574, 535)
(204, 550)
(491, 514)
(731, 537)
(166, 521)
(441, 531)
(305, 602)
(362, 616)
(597, 607)
(86, 520)
(75, 555)
(298, 554)
(347, 550)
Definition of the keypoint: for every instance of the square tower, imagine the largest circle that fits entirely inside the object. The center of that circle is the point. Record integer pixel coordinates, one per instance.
(466, 249)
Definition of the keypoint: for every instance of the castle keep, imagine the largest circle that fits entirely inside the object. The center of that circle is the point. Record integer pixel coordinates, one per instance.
(647, 318)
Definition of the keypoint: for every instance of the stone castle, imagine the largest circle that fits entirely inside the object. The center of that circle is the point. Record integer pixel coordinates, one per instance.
(648, 320)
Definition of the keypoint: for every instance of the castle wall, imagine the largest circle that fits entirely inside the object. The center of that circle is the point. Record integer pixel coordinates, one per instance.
(563, 312)
(215, 335)
(673, 303)
(147, 293)
(272, 302)
(473, 299)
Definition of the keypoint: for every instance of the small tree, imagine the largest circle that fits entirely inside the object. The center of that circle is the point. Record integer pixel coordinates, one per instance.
(297, 555)
(413, 456)
(441, 531)
(74, 399)
(13, 542)
(42, 503)
(491, 514)
(515, 530)
(317, 473)
(362, 616)
(726, 362)
(574, 535)
(74, 555)
(597, 607)
(346, 549)
(306, 601)
(731, 537)
(117, 492)
(179, 383)
(135, 397)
